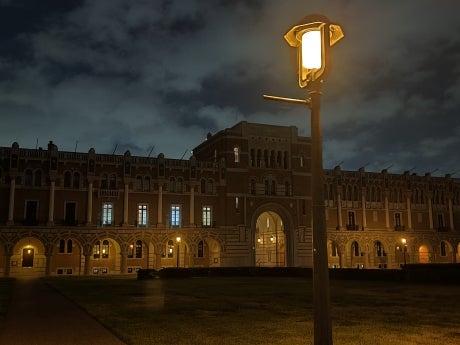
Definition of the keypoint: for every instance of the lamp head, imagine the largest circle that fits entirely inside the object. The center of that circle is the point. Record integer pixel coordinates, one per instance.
(312, 39)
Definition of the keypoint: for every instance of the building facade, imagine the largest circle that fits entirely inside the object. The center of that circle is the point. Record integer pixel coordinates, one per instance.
(242, 199)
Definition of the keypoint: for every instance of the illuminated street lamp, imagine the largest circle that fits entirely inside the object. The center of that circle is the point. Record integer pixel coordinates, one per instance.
(313, 38)
(178, 239)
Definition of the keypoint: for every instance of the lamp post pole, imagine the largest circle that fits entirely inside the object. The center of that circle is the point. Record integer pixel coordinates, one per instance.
(321, 294)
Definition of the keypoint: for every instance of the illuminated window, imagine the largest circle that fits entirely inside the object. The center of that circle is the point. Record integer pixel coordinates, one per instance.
(105, 249)
(107, 213)
(207, 219)
(175, 215)
(170, 249)
(97, 250)
(236, 152)
(142, 214)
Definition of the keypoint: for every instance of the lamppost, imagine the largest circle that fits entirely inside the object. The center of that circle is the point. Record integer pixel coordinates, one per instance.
(178, 248)
(313, 38)
(404, 243)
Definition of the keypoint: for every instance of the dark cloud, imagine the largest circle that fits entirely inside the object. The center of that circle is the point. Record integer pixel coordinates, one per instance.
(138, 74)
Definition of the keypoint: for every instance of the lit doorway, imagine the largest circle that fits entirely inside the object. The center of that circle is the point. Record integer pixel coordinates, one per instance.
(270, 241)
(28, 257)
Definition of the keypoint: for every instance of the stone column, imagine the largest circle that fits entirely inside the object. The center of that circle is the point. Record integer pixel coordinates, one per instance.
(339, 209)
(125, 205)
(87, 252)
(430, 212)
(51, 204)
(409, 211)
(11, 204)
(8, 255)
(192, 205)
(451, 215)
(363, 201)
(124, 260)
(48, 255)
(387, 210)
(160, 204)
(89, 204)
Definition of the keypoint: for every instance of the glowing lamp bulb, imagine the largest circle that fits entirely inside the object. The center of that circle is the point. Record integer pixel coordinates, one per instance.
(311, 49)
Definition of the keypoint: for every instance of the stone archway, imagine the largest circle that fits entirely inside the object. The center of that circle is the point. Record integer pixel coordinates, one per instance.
(28, 259)
(272, 237)
(105, 257)
(270, 240)
(333, 254)
(424, 254)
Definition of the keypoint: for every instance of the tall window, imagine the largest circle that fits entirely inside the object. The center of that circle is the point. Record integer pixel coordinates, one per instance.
(210, 187)
(351, 218)
(104, 181)
(28, 178)
(105, 249)
(379, 249)
(355, 249)
(236, 152)
(138, 249)
(138, 183)
(112, 181)
(179, 185)
(97, 250)
(76, 180)
(200, 253)
(170, 249)
(175, 215)
(38, 178)
(443, 249)
(172, 184)
(142, 213)
(107, 213)
(398, 219)
(147, 184)
(207, 219)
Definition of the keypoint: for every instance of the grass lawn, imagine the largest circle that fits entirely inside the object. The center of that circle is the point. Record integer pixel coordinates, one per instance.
(262, 310)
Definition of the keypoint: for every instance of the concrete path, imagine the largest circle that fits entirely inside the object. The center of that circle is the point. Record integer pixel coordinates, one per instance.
(38, 315)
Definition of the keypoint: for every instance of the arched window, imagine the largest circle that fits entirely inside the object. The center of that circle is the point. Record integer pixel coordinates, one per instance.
(131, 251)
(200, 253)
(105, 249)
(69, 246)
(273, 188)
(334, 249)
(179, 185)
(287, 189)
(67, 179)
(443, 248)
(355, 249)
(38, 178)
(172, 184)
(138, 249)
(28, 177)
(170, 249)
(210, 187)
(138, 183)
(236, 151)
(97, 250)
(147, 184)
(104, 181)
(112, 181)
(76, 180)
(379, 251)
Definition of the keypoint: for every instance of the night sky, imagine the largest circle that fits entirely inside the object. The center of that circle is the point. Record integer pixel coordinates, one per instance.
(156, 76)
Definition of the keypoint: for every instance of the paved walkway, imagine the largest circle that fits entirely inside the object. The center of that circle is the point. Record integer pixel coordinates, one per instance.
(38, 315)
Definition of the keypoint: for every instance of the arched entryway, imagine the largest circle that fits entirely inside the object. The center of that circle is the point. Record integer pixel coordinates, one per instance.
(424, 254)
(28, 259)
(270, 240)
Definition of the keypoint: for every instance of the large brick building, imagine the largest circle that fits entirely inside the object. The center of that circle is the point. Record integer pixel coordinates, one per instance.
(242, 199)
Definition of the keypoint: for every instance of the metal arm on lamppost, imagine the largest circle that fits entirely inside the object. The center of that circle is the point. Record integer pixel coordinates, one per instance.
(312, 39)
